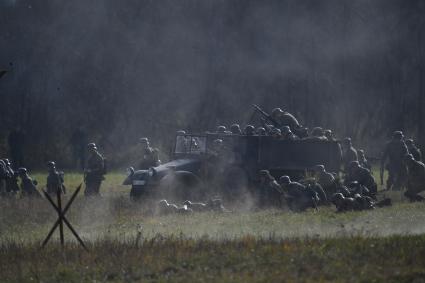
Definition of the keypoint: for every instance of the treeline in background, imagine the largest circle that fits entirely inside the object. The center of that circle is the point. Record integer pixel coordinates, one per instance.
(119, 70)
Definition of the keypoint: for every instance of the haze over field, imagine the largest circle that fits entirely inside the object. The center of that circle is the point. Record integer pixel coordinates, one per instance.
(148, 68)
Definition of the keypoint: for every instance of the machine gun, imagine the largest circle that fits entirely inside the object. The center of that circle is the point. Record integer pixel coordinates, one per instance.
(266, 116)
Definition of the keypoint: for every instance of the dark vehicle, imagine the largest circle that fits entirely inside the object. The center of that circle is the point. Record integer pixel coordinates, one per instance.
(202, 166)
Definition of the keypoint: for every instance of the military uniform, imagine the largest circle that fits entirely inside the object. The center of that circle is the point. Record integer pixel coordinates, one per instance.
(356, 173)
(394, 151)
(28, 186)
(150, 156)
(269, 190)
(297, 196)
(284, 118)
(349, 154)
(94, 171)
(11, 179)
(54, 180)
(414, 150)
(3, 177)
(415, 179)
(326, 180)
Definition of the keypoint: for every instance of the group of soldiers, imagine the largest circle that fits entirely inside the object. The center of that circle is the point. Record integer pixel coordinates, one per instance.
(19, 182)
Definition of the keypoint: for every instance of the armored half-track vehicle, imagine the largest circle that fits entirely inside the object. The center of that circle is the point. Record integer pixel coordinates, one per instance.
(227, 165)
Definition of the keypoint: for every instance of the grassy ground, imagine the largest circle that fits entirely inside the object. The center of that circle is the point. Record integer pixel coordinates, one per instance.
(129, 243)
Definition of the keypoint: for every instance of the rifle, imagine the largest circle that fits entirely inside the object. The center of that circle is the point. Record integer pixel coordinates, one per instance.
(266, 116)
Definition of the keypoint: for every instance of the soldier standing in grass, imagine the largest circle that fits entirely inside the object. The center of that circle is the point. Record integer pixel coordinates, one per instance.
(415, 178)
(28, 186)
(54, 179)
(150, 155)
(94, 171)
(11, 178)
(349, 154)
(394, 152)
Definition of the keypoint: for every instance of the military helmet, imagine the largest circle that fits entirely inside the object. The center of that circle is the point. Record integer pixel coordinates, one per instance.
(338, 196)
(276, 112)
(51, 164)
(144, 140)
(181, 132)
(261, 131)
(347, 140)
(317, 132)
(235, 129)
(398, 134)
(249, 130)
(319, 168)
(92, 145)
(328, 132)
(218, 142)
(221, 129)
(264, 172)
(6, 161)
(284, 180)
(22, 170)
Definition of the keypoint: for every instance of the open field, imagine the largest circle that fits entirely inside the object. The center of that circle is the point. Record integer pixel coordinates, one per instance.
(129, 243)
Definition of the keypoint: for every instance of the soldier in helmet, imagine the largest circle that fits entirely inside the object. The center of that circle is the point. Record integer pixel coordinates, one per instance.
(221, 130)
(394, 152)
(362, 176)
(28, 186)
(150, 155)
(414, 150)
(349, 154)
(236, 129)
(287, 134)
(297, 196)
(270, 191)
(12, 186)
(284, 118)
(94, 171)
(325, 179)
(261, 131)
(329, 135)
(318, 134)
(249, 130)
(363, 161)
(54, 179)
(415, 178)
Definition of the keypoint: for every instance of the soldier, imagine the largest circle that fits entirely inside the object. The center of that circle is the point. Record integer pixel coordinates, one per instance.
(236, 129)
(325, 179)
(285, 119)
(414, 150)
(329, 135)
(343, 203)
(276, 133)
(150, 155)
(270, 191)
(261, 131)
(362, 176)
(221, 130)
(298, 197)
(165, 208)
(28, 186)
(94, 171)
(394, 152)
(249, 130)
(12, 186)
(363, 161)
(318, 134)
(349, 154)
(54, 179)
(287, 134)
(415, 178)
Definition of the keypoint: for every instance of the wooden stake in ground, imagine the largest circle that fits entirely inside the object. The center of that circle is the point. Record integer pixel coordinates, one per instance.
(62, 219)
